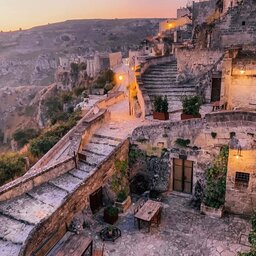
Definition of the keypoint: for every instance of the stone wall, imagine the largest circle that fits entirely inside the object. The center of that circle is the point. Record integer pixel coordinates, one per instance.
(195, 62)
(239, 199)
(73, 205)
(237, 27)
(238, 80)
(30, 180)
(206, 137)
(202, 10)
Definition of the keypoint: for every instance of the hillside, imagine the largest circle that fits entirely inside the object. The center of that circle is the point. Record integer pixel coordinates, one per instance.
(30, 57)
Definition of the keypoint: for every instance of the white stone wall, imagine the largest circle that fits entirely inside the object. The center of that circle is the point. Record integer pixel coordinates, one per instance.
(196, 62)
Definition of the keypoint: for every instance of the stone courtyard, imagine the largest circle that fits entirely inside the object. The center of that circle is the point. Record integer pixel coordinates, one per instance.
(183, 232)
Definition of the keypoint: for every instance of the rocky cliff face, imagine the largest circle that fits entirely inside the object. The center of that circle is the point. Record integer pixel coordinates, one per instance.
(18, 109)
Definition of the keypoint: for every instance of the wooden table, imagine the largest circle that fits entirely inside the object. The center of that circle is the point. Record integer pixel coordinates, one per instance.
(148, 212)
(76, 245)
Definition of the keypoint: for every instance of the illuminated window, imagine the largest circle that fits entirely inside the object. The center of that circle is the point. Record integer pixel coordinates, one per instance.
(242, 179)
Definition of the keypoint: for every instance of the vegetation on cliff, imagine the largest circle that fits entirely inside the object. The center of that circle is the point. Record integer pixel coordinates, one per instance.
(12, 165)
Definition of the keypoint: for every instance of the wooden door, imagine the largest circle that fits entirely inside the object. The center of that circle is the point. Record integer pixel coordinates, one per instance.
(216, 89)
(183, 176)
(96, 200)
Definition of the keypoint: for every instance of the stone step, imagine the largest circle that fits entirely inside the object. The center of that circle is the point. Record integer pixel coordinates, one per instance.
(166, 86)
(170, 98)
(80, 174)
(107, 137)
(93, 159)
(104, 141)
(67, 182)
(159, 73)
(171, 91)
(102, 149)
(83, 166)
(159, 78)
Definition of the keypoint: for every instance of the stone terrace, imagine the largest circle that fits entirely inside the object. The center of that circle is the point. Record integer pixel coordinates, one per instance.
(21, 215)
(183, 231)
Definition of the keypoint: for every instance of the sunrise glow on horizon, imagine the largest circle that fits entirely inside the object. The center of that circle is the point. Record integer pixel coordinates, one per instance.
(15, 14)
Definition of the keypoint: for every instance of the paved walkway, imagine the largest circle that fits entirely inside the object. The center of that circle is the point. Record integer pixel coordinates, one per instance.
(183, 232)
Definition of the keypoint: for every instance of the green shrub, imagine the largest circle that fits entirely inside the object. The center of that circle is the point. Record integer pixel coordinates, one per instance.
(112, 211)
(67, 97)
(82, 66)
(42, 144)
(11, 166)
(160, 104)
(105, 77)
(121, 196)
(23, 136)
(191, 105)
(79, 90)
(214, 194)
(121, 166)
(182, 142)
(54, 108)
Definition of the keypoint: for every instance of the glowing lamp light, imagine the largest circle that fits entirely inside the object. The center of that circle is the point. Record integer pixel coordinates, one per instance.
(121, 78)
(242, 71)
(170, 25)
(239, 152)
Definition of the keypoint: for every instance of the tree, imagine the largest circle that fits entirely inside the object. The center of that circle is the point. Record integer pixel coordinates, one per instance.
(54, 108)
(23, 136)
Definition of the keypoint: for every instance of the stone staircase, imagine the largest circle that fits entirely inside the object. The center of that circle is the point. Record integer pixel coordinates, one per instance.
(161, 80)
(20, 215)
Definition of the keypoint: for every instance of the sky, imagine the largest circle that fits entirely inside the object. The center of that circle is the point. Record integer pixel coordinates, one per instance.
(15, 14)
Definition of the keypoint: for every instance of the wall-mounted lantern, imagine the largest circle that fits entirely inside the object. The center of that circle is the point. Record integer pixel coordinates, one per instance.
(239, 152)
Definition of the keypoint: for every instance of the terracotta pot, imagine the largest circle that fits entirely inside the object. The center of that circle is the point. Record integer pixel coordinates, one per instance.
(187, 117)
(160, 116)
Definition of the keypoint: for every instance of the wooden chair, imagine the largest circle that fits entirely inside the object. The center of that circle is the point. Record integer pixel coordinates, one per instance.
(99, 252)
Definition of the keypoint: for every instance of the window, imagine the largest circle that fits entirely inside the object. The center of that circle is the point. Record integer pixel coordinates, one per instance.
(242, 179)
(243, 23)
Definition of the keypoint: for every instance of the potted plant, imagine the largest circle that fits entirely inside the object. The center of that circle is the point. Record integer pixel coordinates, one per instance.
(214, 194)
(123, 201)
(111, 214)
(161, 108)
(191, 107)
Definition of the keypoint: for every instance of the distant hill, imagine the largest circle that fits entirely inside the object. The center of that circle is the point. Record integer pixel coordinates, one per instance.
(30, 57)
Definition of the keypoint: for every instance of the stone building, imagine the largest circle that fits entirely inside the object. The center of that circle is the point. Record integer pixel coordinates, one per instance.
(97, 63)
(168, 166)
(115, 59)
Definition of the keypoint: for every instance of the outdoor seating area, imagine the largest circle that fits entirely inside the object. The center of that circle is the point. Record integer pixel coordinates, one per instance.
(167, 227)
(149, 213)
